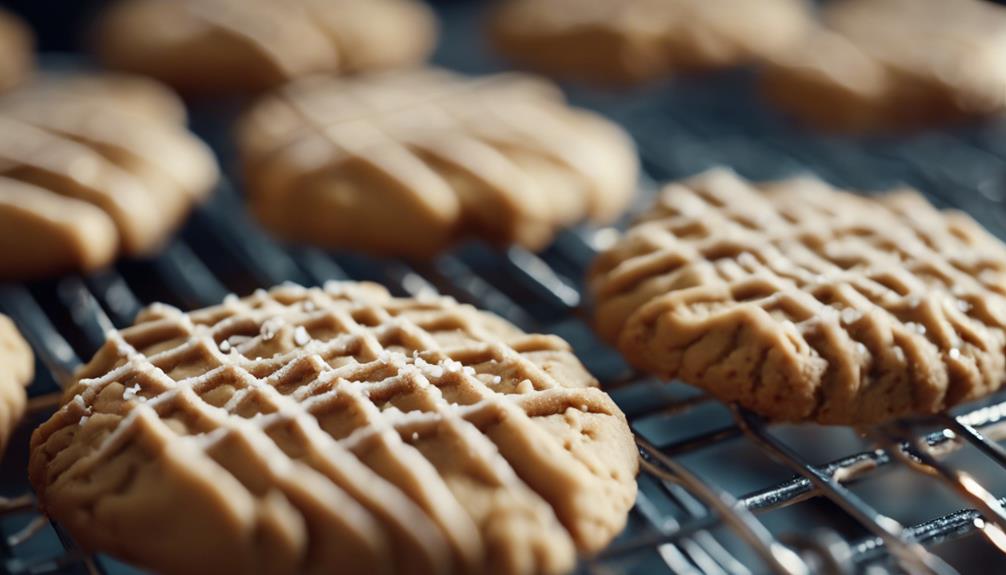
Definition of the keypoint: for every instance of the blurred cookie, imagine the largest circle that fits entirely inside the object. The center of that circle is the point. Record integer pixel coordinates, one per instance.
(878, 65)
(801, 302)
(16, 50)
(17, 368)
(405, 163)
(133, 94)
(336, 430)
(231, 46)
(629, 41)
(91, 166)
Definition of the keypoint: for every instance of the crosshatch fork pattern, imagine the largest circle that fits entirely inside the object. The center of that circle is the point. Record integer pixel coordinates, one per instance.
(501, 157)
(680, 545)
(677, 139)
(337, 428)
(676, 543)
(838, 309)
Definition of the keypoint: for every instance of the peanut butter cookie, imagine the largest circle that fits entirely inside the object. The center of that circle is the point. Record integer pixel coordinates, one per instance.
(887, 65)
(802, 302)
(17, 368)
(618, 42)
(336, 430)
(213, 47)
(406, 163)
(90, 167)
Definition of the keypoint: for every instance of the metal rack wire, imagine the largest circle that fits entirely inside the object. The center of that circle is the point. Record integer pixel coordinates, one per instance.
(689, 517)
(66, 319)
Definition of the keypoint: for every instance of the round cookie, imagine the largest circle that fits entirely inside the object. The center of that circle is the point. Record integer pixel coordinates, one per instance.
(883, 65)
(406, 163)
(17, 369)
(617, 42)
(805, 303)
(212, 47)
(336, 430)
(16, 51)
(90, 167)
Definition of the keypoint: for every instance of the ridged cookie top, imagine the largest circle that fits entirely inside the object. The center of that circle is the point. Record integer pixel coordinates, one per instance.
(405, 163)
(895, 64)
(225, 46)
(16, 47)
(336, 430)
(801, 302)
(91, 166)
(17, 368)
(628, 41)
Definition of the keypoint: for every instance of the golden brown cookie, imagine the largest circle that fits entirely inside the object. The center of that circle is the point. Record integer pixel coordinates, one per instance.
(17, 47)
(617, 42)
(877, 65)
(229, 46)
(406, 163)
(801, 302)
(17, 369)
(91, 166)
(336, 430)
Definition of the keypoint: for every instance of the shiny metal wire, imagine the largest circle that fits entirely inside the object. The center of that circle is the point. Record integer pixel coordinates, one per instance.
(97, 303)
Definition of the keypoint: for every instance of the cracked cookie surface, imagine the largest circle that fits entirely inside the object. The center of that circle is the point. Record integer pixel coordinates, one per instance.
(802, 302)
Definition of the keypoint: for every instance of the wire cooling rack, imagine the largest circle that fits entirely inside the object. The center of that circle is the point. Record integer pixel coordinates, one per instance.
(720, 491)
